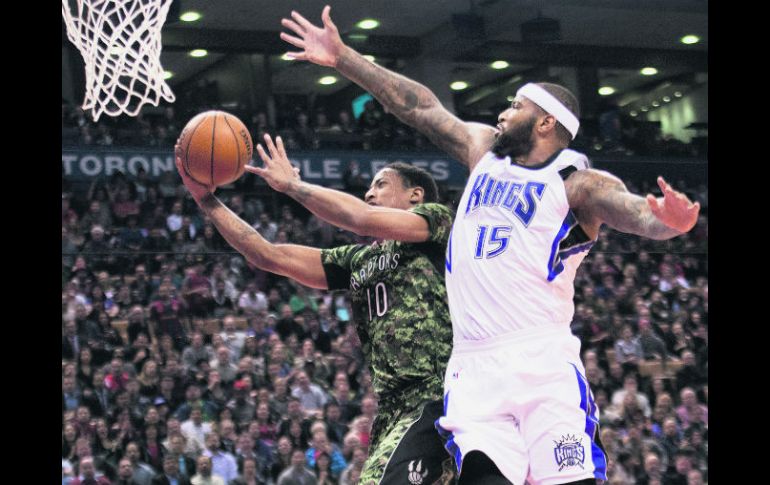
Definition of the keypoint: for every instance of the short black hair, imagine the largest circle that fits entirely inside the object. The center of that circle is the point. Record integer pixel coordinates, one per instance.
(569, 101)
(416, 177)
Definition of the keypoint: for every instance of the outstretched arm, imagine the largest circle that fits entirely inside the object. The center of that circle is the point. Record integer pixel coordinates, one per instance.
(300, 263)
(335, 207)
(410, 101)
(601, 198)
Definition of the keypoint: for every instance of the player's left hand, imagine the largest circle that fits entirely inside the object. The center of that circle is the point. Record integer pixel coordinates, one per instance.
(278, 172)
(674, 209)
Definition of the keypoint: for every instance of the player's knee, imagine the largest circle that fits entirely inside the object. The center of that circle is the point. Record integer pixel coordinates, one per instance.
(479, 469)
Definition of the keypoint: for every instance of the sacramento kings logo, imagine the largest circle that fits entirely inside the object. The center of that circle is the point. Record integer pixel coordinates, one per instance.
(569, 452)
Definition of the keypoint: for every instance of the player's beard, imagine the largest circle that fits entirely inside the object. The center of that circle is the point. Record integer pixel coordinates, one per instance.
(516, 141)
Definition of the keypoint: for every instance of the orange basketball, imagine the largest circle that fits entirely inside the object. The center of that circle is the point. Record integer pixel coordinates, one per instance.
(216, 146)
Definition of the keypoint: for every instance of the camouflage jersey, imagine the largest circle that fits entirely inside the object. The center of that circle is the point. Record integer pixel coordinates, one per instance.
(400, 307)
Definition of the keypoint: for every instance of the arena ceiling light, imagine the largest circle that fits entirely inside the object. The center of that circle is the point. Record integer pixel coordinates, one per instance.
(458, 85)
(499, 65)
(677, 94)
(644, 109)
(190, 16)
(168, 74)
(690, 39)
(368, 24)
(327, 80)
(606, 90)
(666, 99)
(510, 98)
(634, 114)
(369, 58)
(655, 104)
(199, 53)
(287, 57)
(648, 71)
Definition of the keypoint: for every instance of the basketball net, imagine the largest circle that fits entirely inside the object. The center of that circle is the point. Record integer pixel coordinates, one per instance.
(120, 44)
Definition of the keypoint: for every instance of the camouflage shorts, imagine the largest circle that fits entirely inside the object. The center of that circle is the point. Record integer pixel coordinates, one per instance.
(409, 451)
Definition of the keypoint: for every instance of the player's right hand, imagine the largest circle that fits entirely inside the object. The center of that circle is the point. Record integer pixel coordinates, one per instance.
(278, 171)
(197, 190)
(320, 45)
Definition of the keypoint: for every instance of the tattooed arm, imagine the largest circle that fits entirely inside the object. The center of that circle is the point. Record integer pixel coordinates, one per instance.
(598, 197)
(408, 100)
(300, 263)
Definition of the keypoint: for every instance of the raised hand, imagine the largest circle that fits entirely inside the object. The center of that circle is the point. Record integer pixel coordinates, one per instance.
(674, 209)
(319, 45)
(278, 172)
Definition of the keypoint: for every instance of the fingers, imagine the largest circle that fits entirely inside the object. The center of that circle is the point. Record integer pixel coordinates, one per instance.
(295, 41)
(299, 56)
(270, 146)
(290, 24)
(281, 148)
(301, 20)
(262, 172)
(652, 201)
(262, 155)
(326, 18)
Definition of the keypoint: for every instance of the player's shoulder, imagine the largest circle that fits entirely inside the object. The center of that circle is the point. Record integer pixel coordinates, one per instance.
(584, 185)
(431, 208)
(339, 253)
(592, 178)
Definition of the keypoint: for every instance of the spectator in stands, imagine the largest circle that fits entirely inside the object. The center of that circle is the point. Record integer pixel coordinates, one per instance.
(195, 429)
(142, 472)
(311, 396)
(631, 387)
(205, 475)
(222, 462)
(222, 363)
(297, 473)
(167, 313)
(690, 374)
(691, 411)
(125, 473)
(170, 474)
(252, 301)
(652, 346)
(628, 350)
(179, 451)
(196, 352)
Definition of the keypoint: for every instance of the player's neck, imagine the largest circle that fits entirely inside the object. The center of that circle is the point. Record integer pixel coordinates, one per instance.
(539, 154)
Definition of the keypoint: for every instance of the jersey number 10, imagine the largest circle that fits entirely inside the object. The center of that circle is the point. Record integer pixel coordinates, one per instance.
(380, 300)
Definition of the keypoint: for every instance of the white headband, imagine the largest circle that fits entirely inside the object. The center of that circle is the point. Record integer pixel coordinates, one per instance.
(551, 105)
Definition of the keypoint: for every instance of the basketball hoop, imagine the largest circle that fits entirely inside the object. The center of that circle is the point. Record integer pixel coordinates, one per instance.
(120, 44)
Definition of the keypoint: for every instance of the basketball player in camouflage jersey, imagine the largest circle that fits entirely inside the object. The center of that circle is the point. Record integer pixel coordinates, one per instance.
(397, 291)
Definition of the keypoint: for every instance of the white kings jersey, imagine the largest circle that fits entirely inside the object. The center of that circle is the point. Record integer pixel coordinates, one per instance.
(514, 248)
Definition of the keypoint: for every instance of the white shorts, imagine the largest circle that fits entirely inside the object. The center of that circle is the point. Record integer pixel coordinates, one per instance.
(524, 401)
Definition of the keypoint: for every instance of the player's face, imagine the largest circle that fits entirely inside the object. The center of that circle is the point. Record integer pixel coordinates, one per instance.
(387, 190)
(515, 135)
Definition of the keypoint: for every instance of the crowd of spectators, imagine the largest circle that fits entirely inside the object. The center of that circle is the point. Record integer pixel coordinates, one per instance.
(181, 360)
(612, 133)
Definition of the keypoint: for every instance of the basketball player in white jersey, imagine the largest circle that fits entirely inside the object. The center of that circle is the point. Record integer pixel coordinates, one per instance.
(517, 405)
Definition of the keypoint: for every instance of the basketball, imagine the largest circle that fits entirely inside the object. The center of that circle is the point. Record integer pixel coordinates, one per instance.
(215, 148)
